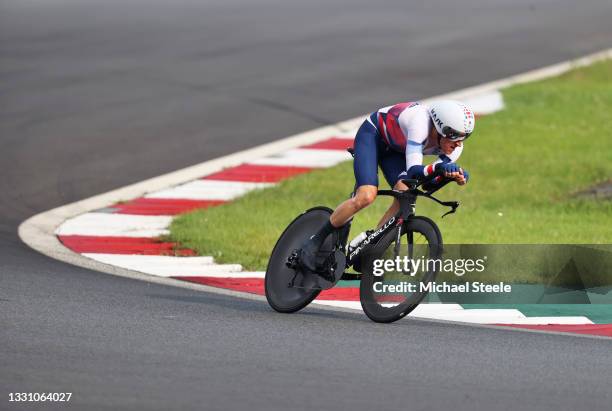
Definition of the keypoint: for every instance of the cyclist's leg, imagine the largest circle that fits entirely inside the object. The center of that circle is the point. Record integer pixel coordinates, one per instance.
(392, 163)
(366, 174)
(365, 166)
(364, 196)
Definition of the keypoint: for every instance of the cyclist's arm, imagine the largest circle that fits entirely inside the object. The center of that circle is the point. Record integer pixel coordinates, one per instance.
(414, 161)
(420, 172)
(416, 130)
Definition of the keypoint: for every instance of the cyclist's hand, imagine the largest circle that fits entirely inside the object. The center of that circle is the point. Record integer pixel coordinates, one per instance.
(463, 178)
(448, 170)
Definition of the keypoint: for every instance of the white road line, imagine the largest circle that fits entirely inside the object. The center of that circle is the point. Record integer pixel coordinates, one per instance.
(208, 190)
(305, 158)
(427, 309)
(168, 266)
(161, 260)
(423, 310)
(502, 316)
(478, 316)
(549, 320)
(232, 275)
(454, 312)
(115, 225)
(486, 103)
(353, 305)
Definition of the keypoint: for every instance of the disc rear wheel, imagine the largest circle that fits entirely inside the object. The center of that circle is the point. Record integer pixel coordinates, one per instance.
(289, 290)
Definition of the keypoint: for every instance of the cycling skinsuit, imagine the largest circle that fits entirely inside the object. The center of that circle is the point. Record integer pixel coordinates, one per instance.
(396, 138)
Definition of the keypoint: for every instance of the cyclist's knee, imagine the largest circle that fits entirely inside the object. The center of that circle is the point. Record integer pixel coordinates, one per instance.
(400, 186)
(364, 196)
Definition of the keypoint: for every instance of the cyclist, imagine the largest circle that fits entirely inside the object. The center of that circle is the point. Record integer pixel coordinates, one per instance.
(396, 138)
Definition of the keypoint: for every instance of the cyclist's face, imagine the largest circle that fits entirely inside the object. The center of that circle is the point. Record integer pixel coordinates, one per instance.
(447, 145)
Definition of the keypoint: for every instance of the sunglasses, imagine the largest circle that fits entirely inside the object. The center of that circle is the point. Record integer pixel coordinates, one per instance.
(454, 135)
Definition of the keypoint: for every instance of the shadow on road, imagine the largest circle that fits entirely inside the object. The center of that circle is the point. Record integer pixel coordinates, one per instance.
(238, 304)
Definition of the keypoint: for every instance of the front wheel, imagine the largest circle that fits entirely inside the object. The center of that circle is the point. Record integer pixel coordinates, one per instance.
(391, 290)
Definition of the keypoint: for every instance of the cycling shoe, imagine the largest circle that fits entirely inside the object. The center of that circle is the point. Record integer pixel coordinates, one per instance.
(308, 255)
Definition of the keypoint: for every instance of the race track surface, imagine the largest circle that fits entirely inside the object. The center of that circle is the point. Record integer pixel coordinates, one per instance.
(97, 96)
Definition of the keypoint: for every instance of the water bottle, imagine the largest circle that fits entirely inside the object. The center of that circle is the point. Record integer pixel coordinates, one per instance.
(356, 241)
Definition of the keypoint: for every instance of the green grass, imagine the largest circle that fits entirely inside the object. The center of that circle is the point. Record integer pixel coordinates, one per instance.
(525, 162)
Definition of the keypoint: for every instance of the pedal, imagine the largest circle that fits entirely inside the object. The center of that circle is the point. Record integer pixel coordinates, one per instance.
(328, 268)
(330, 265)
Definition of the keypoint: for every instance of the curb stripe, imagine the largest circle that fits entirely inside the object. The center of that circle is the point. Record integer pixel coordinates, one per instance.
(258, 173)
(122, 245)
(256, 286)
(115, 225)
(317, 158)
(163, 206)
(245, 285)
(208, 190)
(168, 266)
(334, 143)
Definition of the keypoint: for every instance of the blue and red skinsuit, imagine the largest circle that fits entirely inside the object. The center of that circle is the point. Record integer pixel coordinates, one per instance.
(382, 141)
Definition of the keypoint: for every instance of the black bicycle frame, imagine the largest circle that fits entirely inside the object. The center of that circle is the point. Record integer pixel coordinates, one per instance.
(407, 200)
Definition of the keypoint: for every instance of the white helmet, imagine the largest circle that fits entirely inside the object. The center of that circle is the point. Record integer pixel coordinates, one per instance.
(453, 119)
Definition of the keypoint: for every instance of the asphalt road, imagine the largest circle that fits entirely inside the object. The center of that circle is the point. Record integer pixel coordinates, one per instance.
(97, 96)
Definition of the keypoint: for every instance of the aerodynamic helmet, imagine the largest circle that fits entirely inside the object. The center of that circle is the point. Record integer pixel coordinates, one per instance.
(453, 119)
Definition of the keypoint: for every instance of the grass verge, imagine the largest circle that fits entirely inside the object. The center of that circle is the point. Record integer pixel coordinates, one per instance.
(525, 163)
